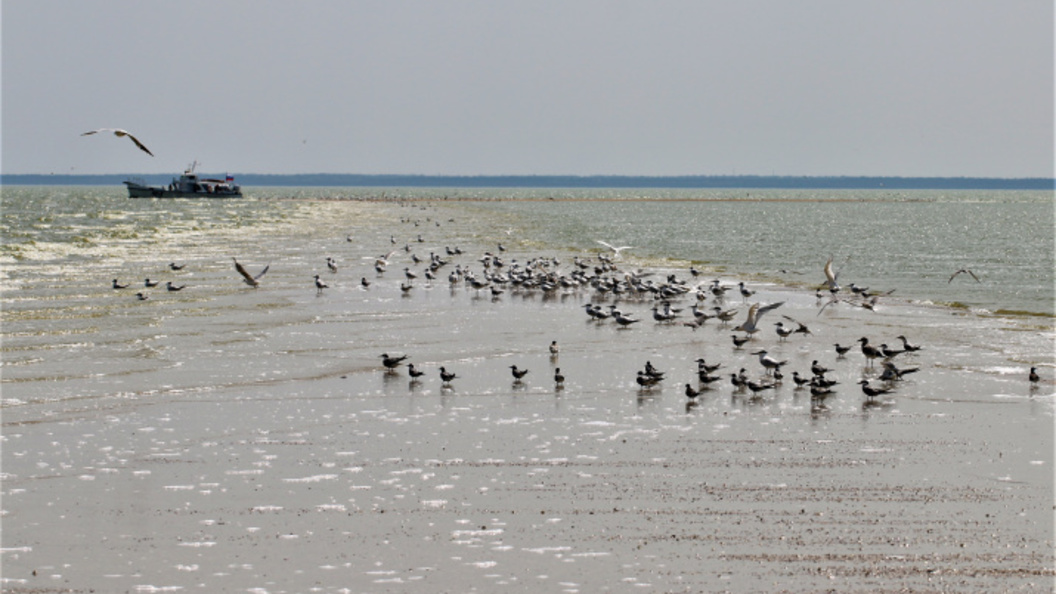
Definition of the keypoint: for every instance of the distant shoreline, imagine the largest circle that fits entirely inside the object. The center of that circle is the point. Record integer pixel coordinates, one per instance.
(565, 181)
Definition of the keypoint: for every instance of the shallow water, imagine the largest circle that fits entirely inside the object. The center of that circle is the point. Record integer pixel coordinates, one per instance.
(226, 437)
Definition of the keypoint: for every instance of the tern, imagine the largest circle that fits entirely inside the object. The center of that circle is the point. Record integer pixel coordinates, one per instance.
(801, 328)
(391, 362)
(769, 362)
(320, 285)
(1034, 377)
(413, 372)
(972, 274)
(782, 332)
(830, 277)
(518, 373)
(554, 350)
(754, 387)
(905, 344)
(331, 264)
(755, 312)
(746, 293)
(149, 283)
(869, 350)
(799, 380)
(119, 133)
(171, 287)
(174, 266)
(892, 373)
(247, 277)
(817, 369)
(363, 282)
(691, 393)
(142, 296)
(118, 285)
(842, 350)
(615, 250)
(738, 342)
(446, 376)
(871, 392)
(558, 378)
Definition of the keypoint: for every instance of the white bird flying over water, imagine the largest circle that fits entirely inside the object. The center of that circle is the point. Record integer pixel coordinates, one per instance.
(119, 132)
(830, 277)
(615, 249)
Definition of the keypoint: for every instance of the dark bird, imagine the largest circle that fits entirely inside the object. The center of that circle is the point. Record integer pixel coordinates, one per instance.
(119, 133)
(118, 285)
(364, 282)
(413, 372)
(892, 373)
(703, 367)
(707, 379)
(691, 393)
(320, 285)
(888, 352)
(738, 342)
(331, 264)
(960, 271)
(801, 328)
(871, 392)
(817, 391)
(799, 380)
(756, 388)
(842, 350)
(645, 380)
(817, 369)
(445, 376)
(142, 296)
(518, 373)
(905, 344)
(554, 350)
(391, 362)
(782, 331)
(171, 287)
(558, 378)
(869, 350)
(149, 283)
(247, 277)
(1034, 377)
(174, 266)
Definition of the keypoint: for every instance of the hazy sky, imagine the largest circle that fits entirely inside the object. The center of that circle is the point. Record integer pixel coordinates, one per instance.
(679, 87)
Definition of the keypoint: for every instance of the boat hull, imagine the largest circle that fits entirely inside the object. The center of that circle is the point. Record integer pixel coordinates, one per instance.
(140, 191)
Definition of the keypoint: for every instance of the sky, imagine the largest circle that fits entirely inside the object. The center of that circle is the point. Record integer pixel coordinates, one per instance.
(530, 87)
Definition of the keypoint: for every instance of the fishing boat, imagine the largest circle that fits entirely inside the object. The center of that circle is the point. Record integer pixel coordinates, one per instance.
(189, 185)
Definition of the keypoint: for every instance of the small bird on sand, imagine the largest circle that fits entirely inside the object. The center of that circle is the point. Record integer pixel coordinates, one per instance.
(414, 372)
(871, 392)
(1034, 377)
(149, 283)
(173, 288)
(446, 376)
(910, 348)
(558, 378)
(817, 369)
(738, 341)
(175, 266)
(119, 133)
(769, 362)
(320, 285)
(518, 373)
(142, 296)
(691, 393)
(842, 350)
(391, 362)
(118, 285)
(554, 349)
(869, 350)
(363, 282)
(248, 278)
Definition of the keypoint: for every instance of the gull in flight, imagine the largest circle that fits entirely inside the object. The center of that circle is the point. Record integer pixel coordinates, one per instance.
(248, 278)
(754, 313)
(615, 249)
(960, 271)
(119, 133)
(830, 277)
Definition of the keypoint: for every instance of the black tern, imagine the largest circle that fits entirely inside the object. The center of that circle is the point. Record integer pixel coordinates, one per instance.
(959, 272)
(445, 376)
(142, 296)
(702, 366)
(754, 387)
(1034, 377)
(817, 369)
(782, 331)
(518, 373)
(363, 282)
(905, 344)
(871, 392)
(558, 378)
(413, 372)
(892, 373)
(691, 393)
(149, 283)
(801, 328)
(174, 266)
(745, 293)
(247, 277)
(320, 285)
(554, 350)
(118, 285)
(738, 342)
(171, 287)
(889, 352)
(645, 380)
(799, 380)
(391, 362)
(842, 350)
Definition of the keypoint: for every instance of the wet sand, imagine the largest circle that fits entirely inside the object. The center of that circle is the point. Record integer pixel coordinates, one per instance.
(232, 439)
(348, 478)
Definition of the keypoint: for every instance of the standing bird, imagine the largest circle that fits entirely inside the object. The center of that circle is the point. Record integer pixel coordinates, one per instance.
(518, 373)
(554, 350)
(691, 393)
(842, 350)
(175, 266)
(320, 285)
(149, 283)
(118, 285)
(1034, 377)
(871, 392)
(247, 277)
(173, 288)
(558, 378)
(446, 376)
(391, 362)
(768, 362)
(869, 350)
(909, 348)
(119, 133)
(413, 372)
(142, 296)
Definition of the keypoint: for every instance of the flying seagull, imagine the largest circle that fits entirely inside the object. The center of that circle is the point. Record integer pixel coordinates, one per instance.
(615, 249)
(247, 277)
(754, 313)
(119, 133)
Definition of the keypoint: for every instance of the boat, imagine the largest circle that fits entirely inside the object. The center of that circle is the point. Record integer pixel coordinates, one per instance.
(189, 185)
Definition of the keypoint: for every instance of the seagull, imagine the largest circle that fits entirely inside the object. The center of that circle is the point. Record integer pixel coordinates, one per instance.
(615, 249)
(754, 313)
(391, 362)
(119, 133)
(769, 362)
(248, 278)
(518, 373)
(320, 285)
(830, 277)
(963, 270)
(118, 285)
(171, 287)
(174, 266)
(149, 283)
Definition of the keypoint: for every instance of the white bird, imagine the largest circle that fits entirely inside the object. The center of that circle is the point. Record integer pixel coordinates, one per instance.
(615, 249)
(119, 133)
(247, 277)
(830, 277)
(768, 362)
(754, 313)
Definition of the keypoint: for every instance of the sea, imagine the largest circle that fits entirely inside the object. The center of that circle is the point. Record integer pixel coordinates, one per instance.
(236, 438)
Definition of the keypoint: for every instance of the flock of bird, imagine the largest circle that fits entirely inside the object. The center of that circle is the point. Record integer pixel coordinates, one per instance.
(603, 278)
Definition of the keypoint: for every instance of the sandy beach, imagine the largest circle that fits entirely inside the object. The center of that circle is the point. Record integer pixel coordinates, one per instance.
(282, 457)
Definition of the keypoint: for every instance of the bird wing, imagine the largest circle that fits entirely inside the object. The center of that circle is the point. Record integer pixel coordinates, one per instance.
(141, 146)
(119, 133)
(262, 272)
(766, 308)
(245, 274)
(829, 276)
(973, 275)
